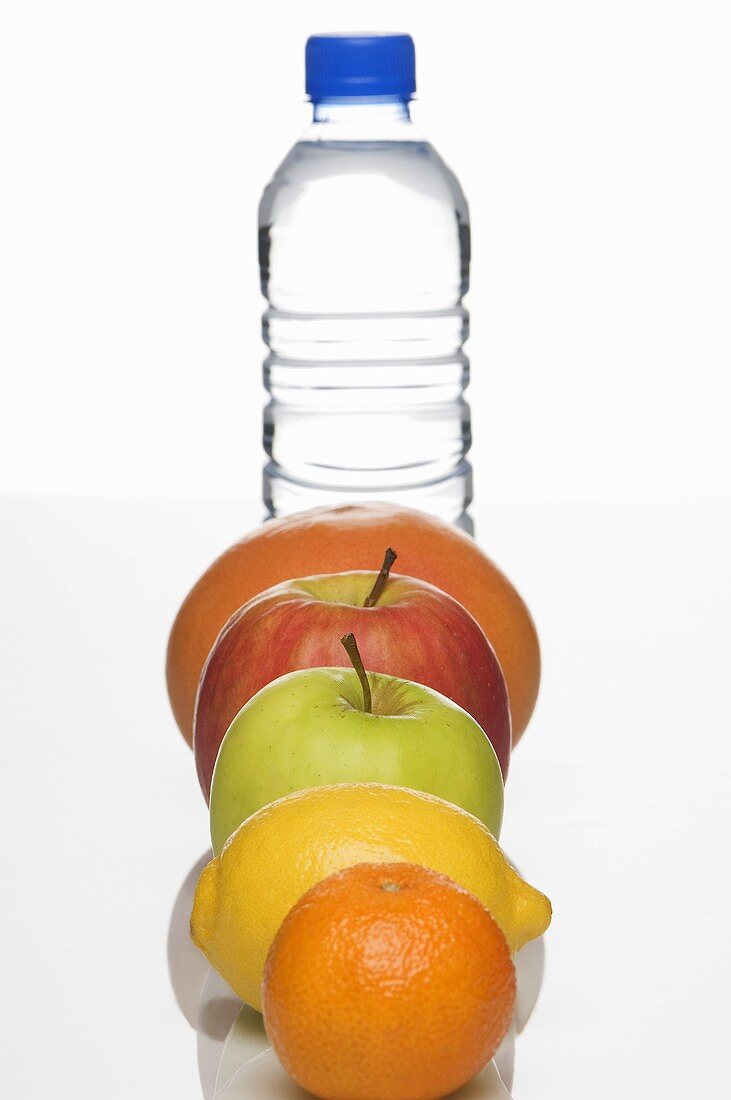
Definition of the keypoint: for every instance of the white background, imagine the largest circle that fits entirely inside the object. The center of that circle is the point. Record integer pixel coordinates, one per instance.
(592, 141)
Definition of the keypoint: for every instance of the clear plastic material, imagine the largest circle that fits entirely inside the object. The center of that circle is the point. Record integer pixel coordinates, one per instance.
(364, 255)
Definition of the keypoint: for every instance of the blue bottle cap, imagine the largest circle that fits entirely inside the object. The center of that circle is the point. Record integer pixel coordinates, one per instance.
(354, 66)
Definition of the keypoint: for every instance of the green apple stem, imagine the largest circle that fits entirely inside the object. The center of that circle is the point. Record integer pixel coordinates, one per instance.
(388, 559)
(351, 648)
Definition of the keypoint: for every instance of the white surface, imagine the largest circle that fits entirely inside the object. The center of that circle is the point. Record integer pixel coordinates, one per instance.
(617, 803)
(591, 140)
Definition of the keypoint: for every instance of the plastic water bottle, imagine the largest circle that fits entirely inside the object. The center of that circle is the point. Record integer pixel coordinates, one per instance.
(364, 253)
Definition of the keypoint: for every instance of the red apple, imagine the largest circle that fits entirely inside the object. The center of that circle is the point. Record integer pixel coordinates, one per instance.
(405, 628)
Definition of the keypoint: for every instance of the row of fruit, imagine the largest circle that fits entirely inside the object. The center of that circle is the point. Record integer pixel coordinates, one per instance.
(352, 729)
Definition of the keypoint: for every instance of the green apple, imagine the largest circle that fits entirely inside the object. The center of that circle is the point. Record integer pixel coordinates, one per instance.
(319, 726)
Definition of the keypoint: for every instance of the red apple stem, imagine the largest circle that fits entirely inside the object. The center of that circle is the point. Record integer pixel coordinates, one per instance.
(388, 559)
(351, 648)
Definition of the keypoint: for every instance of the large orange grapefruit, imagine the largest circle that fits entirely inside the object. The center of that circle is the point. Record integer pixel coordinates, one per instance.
(355, 536)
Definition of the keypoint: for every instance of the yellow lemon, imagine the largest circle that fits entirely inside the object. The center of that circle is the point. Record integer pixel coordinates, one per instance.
(278, 853)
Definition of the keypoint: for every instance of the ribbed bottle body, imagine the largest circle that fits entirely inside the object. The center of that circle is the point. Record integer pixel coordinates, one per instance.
(364, 255)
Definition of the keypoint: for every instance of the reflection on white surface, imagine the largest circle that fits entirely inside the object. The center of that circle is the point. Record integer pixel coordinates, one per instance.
(530, 964)
(218, 1012)
(187, 966)
(505, 1059)
(235, 1059)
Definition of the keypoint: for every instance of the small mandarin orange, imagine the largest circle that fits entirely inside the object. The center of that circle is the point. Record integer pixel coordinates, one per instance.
(387, 981)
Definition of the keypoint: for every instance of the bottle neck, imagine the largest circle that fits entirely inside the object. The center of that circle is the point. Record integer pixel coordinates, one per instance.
(361, 119)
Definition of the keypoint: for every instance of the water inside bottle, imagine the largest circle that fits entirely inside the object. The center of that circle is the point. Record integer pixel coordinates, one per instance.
(364, 254)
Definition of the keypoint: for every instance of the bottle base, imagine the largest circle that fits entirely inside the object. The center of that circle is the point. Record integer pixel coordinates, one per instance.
(448, 498)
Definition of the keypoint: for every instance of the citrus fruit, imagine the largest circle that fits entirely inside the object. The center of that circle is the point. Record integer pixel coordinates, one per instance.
(278, 853)
(387, 981)
(354, 536)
